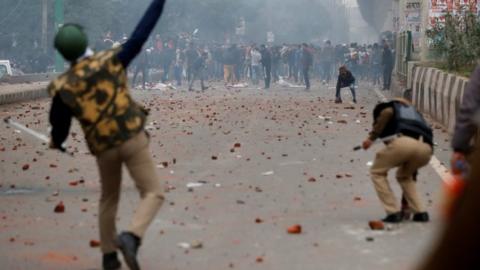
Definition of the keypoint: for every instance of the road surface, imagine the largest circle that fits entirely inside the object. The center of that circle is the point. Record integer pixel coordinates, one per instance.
(259, 162)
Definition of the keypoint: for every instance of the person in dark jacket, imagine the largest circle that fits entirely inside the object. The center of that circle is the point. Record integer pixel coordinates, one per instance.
(409, 141)
(229, 61)
(94, 90)
(387, 63)
(191, 55)
(267, 65)
(141, 65)
(307, 62)
(168, 58)
(198, 70)
(345, 79)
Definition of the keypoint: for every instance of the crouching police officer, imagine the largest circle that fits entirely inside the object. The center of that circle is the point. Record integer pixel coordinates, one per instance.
(94, 90)
(409, 146)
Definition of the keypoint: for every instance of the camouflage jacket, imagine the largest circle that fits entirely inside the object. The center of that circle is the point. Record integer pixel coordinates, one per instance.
(95, 89)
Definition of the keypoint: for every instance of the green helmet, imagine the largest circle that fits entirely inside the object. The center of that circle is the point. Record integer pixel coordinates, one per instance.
(71, 41)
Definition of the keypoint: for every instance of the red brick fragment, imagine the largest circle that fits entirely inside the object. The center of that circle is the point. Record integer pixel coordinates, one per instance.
(59, 208)
(376, 225)
(94, 243)
(295, 229)
(312, 179)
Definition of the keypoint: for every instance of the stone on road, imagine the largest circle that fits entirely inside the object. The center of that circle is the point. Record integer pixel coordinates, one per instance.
(239, 167)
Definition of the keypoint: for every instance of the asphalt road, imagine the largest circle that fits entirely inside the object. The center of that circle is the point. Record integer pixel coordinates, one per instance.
(293, 164)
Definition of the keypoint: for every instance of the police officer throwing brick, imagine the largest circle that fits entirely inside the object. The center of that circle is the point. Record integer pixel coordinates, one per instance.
(409, 147)
(94, 90)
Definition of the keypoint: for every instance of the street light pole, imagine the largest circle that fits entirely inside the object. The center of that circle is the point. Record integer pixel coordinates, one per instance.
(44, 25)
(59, 20)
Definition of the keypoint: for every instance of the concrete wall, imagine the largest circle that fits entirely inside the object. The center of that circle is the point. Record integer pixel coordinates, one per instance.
(19, 92)
(438, 94)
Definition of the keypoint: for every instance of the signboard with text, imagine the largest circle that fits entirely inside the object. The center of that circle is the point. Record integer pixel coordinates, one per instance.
(439, 8)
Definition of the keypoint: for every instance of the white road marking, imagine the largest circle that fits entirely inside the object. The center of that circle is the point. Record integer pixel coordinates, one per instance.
(437, 166)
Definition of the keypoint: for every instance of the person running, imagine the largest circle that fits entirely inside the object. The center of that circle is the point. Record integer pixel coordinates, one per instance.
(94, 90)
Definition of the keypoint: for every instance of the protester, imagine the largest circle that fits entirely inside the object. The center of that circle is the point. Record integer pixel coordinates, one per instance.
(141, 66)
(327, 61)
(345, 79)
(191, 56)
(229, 65)
(307, 62)
(376, 64)
(198, 71)
(256, 58)
(387, 63)
(178, 69)
(94, 90)
(267, 65)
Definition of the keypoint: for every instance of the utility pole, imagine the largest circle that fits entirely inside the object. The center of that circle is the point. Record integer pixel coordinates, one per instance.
(59, 20)
(44, 25)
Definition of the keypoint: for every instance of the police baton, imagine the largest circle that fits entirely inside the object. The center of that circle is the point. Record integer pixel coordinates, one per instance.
(386, 139)
(33, 133)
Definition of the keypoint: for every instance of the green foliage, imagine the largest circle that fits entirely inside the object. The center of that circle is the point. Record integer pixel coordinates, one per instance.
(456, 42)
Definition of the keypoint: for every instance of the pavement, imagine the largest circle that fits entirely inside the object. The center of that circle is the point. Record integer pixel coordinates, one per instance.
(242, 166)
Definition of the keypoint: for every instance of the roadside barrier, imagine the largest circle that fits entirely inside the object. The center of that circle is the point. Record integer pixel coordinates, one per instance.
(438, 94)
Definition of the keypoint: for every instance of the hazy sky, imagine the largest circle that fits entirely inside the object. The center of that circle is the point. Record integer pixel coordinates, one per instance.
(352, 3)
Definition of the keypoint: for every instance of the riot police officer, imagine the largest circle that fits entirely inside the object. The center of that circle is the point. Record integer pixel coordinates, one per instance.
(94, 90)
(409, 146)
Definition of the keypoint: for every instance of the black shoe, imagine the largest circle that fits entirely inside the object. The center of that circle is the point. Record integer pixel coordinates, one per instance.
(111, 262)
(421, 217)
(338, 101)
(355, 101)
(128, 244)
(393, 218)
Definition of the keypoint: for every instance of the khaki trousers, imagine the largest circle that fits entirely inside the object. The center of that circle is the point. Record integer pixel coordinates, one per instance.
(228, 73)
(408, 155)
(135, 154)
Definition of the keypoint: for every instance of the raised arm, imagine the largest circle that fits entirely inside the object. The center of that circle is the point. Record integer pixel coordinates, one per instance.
(141, 33)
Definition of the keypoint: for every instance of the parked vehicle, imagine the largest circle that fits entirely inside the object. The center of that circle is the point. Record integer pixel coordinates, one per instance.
(5, 68)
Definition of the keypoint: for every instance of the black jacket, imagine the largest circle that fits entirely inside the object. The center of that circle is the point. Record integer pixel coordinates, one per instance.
(266, 58)
(345, 80)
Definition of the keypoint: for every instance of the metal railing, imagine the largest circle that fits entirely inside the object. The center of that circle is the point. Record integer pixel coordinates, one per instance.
(403, 54)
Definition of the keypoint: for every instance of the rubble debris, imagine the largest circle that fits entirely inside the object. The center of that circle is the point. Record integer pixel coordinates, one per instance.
(94, 243)
(59, 208)
(295, 229)
(268, 173)
(376, 225)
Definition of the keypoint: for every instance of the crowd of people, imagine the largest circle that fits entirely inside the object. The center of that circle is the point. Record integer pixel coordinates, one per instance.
(182, 61)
